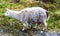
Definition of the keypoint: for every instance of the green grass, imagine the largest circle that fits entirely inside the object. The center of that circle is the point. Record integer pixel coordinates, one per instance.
(53, 22)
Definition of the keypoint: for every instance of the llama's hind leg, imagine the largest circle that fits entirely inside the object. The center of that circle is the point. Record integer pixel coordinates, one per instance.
(44, 25)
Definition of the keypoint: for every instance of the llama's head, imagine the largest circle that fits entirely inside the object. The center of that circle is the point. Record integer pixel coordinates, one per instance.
(8, 12)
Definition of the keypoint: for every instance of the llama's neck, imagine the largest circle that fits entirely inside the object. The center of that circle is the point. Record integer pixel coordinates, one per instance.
(15, 15)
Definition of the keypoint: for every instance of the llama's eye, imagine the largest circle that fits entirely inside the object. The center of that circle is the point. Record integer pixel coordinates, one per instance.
(7, 13)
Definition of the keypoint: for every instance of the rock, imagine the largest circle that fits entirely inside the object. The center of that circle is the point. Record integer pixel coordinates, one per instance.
(6, 34)
(51, 33)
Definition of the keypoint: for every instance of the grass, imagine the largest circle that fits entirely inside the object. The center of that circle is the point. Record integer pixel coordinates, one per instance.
(53, 22)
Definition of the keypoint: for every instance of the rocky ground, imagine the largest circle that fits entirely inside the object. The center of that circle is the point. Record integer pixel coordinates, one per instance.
(39, 33)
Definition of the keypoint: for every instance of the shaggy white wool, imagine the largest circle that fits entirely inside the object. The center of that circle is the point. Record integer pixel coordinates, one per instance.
(34, 15)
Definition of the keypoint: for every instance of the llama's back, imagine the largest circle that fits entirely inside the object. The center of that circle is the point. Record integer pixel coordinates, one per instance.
(32, 8)
(34, 14)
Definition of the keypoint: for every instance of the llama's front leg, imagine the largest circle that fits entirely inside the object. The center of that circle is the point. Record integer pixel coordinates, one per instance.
(24, 26)
(35, 26)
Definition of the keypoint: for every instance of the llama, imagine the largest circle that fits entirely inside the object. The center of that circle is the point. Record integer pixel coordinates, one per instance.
(35, 15)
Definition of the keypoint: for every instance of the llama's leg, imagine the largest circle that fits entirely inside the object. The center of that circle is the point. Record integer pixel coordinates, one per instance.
(35, 26)
(25, 25)
(44, 25)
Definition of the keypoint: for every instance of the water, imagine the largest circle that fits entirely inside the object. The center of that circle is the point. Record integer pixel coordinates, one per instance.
(30, 33)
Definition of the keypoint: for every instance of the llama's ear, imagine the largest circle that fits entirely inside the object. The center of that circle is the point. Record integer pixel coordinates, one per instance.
(8, 9)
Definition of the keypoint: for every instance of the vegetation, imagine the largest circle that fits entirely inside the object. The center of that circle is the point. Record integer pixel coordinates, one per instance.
(10, 24)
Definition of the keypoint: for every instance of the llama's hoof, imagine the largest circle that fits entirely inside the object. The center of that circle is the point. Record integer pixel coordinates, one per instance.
(23, 29)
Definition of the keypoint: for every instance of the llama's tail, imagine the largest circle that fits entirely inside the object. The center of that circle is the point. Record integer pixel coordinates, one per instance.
(48, 16)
